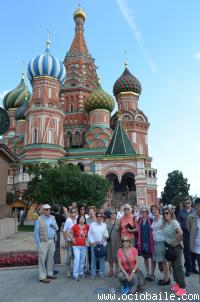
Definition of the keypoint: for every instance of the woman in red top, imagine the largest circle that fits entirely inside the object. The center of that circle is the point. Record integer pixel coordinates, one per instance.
(127, 257)
(79, 238)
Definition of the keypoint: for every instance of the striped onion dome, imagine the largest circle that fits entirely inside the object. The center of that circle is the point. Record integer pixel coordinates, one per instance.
(99, 100)
(16, 97)
(20, 112)
(46, 65)
(127, 83)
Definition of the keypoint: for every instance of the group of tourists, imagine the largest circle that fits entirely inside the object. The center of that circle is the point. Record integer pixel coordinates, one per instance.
(119, 236)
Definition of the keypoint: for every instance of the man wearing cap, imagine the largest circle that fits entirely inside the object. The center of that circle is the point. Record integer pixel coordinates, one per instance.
(44, 233)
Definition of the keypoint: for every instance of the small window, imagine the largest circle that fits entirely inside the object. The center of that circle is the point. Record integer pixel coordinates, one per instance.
(71, 108)
(49, 92)
(39, 92)
(50, 136)
(35, 136)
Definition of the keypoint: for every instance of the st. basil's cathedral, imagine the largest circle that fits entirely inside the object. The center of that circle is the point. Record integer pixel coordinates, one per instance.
(67, 118)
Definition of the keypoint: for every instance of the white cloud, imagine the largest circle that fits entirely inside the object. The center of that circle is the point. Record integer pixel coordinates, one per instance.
(2, 94)
(197, 56)
(130, 19)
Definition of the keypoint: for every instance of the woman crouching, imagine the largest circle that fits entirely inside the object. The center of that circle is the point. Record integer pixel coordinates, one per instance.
(127, 257)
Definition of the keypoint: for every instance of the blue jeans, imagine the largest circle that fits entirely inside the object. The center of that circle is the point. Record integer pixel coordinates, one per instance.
(101, 260)
(79, 260)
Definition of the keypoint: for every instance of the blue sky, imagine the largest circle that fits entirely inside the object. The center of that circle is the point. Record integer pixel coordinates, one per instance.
(162, 43)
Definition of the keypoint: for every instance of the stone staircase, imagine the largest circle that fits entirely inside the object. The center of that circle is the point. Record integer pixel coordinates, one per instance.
(120, 198)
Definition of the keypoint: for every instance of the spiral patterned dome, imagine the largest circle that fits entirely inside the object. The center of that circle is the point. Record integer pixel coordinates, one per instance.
(46, 65)
(16, 97)
(127, 83)
(20, 112)
(99, 100)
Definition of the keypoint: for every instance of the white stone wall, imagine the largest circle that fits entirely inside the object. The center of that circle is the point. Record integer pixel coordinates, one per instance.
(8, 227)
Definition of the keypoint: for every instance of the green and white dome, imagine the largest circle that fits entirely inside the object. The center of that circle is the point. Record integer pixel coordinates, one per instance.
(16, 97)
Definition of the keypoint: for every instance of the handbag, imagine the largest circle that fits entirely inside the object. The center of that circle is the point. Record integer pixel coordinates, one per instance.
(100, 250)
(121, 276)
(141, 278)
(170, 252)
(109, 237)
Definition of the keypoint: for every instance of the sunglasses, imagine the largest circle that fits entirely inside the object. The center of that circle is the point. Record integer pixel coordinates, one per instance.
(125, 240)
(166, 213)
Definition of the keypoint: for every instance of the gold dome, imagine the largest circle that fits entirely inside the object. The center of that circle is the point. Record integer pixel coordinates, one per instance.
(79, 13)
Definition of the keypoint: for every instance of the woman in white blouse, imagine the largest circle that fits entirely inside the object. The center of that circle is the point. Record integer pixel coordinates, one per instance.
(97, 235)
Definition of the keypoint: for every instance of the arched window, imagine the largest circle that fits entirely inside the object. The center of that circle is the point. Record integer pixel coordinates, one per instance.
(77, 138)
(69, 139)
(83, 137)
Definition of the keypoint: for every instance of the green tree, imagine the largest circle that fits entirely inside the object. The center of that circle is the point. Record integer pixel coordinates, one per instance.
(64, 184)
(176, 188)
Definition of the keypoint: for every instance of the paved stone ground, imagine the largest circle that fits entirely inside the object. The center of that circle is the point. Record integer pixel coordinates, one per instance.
(21, 241)
(22, 285)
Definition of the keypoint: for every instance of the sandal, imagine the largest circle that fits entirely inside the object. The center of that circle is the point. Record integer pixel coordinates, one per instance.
(110, 274)
(150, 277)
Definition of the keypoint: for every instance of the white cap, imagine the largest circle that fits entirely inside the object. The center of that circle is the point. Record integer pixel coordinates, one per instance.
(46, 206)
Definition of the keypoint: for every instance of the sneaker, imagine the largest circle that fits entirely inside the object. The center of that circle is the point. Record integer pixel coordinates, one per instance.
(180, 292)
(124, 290)
(101, 277)
(175, 288)
(93, 277)
(195, 271)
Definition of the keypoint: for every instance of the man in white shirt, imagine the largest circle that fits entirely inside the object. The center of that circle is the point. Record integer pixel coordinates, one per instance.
(98, 234)
(68, 242)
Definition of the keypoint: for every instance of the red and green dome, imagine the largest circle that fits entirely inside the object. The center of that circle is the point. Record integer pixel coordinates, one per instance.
(99, 100)
(127, 83)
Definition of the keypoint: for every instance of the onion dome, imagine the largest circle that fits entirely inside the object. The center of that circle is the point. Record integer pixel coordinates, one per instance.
(20, 112)
(16, 97)
(46, 65)
(127, 83)
(99, 100)
(79, 13)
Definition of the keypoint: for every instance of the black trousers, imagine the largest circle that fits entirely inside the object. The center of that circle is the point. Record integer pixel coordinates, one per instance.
(189, 257)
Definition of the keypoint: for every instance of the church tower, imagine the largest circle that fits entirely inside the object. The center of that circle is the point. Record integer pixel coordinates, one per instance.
(43, 138)
(127, 90)
(81, 81)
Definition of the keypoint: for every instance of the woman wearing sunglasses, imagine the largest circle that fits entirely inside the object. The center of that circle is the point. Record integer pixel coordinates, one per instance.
(127, 257)
(145, 242)
(173, 235)
(113, 240)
